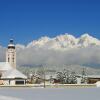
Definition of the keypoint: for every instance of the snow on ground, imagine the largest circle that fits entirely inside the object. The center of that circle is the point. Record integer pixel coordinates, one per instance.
(98, 84)
(8, 98)
(51, 93)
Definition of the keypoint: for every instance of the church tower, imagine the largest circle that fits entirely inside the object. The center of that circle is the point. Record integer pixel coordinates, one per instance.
(11, 54)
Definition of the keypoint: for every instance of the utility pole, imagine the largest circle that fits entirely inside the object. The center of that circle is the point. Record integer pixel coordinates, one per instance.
(43, 76)
(44, 79)
(84, 79)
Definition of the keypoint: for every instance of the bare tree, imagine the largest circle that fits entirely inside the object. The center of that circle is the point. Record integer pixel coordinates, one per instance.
(84, 78)
(42, 73)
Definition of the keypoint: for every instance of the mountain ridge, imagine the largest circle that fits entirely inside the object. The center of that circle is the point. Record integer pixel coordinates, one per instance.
(63, 42)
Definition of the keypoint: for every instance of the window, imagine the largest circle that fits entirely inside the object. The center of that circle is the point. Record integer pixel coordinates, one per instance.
(8, 59)
(13, 59)
(19, 82)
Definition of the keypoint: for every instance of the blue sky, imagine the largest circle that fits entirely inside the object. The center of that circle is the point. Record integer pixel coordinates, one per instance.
(25, 20)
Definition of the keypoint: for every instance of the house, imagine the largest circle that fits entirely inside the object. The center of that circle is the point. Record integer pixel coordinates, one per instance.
(93, 78)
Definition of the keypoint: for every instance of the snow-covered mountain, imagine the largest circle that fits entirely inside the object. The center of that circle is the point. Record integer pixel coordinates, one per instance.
(63, 42)
(87, 40)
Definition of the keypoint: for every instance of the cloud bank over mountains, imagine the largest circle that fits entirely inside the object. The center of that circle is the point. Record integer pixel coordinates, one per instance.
(58, 51)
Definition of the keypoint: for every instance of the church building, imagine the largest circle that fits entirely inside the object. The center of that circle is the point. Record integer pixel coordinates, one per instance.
(9, 75)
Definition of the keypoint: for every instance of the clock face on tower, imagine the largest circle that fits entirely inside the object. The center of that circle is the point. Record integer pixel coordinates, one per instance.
(11, 54)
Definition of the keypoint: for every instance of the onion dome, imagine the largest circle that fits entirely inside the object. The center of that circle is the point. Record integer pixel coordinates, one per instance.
(11, 44)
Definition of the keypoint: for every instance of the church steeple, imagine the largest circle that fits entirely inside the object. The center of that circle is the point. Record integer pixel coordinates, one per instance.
(11, 54)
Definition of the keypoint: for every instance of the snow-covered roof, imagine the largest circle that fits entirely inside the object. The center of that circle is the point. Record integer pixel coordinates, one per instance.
(93, 76)
(90, 76)
(13, 73)
(11, 45)
(50, 76)
(5, 66)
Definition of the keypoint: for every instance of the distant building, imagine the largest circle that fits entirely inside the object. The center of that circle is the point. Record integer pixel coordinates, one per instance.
(93, 79)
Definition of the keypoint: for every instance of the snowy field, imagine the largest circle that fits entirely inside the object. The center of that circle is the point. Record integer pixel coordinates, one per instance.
(49, 94)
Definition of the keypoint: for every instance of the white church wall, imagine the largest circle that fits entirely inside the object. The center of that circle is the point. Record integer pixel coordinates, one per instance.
(6, 82)
(12, 82)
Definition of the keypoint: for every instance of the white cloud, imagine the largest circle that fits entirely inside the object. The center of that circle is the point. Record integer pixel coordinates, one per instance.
(2, 53)
(79, 56)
